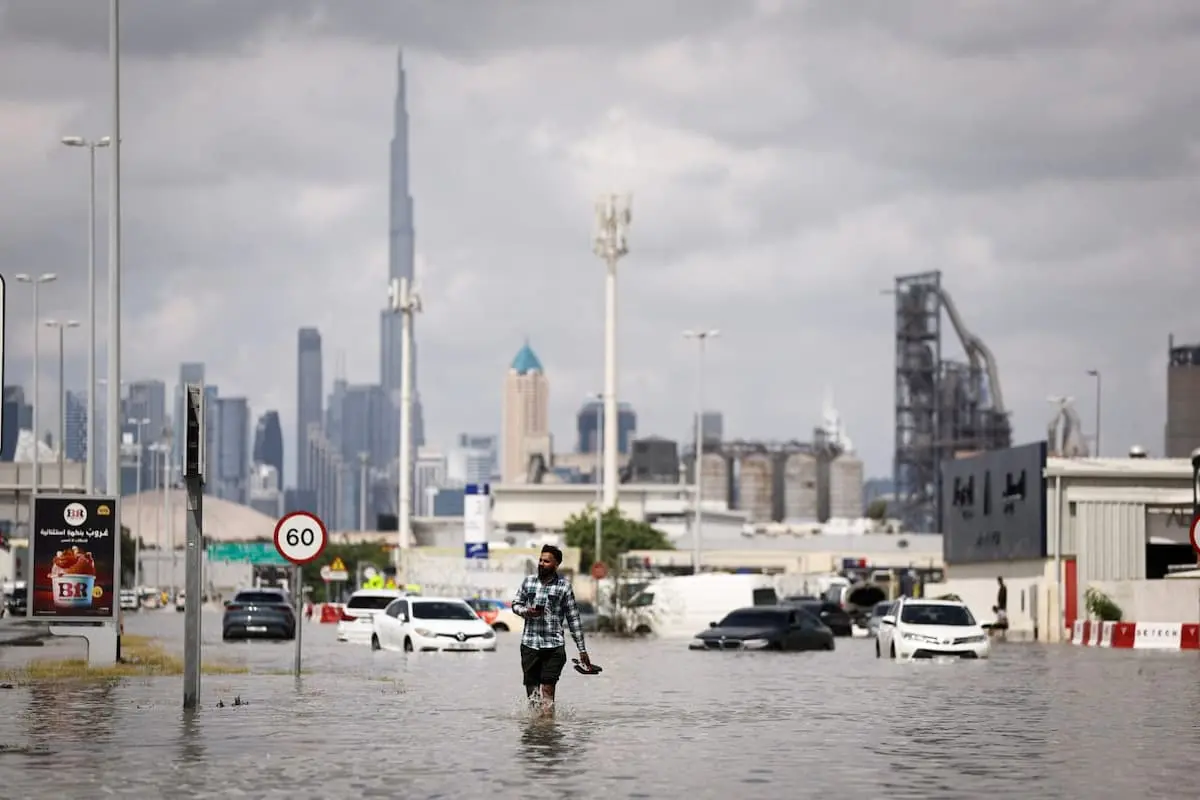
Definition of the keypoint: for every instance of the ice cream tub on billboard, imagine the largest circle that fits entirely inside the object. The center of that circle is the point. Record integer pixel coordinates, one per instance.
(73, 555)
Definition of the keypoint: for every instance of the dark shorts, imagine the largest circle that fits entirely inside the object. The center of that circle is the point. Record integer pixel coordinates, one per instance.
(542, 667)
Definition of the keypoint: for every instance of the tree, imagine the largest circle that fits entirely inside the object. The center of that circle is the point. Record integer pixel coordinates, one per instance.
(619, 535)
(877, 510)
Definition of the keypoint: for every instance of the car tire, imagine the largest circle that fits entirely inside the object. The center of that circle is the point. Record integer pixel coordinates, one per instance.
(878, 651)
(642, 630)
(830, 646)
(375, 642)
(892, 654)
(500, 627)
(408, 645)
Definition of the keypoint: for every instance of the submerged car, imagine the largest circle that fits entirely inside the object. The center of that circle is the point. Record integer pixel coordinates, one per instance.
(879, 611)
(929, 629)
(259, 614)
(765, 628)
(415, 624)
(356, 618)
(832, 615)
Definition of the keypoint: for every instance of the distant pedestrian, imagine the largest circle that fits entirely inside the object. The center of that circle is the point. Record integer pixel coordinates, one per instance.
(1002, 595)
(546, 601)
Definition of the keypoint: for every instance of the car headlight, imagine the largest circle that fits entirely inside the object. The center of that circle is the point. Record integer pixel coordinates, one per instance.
(696, 644)
(423, 632)
(973, 639)
(918, 637)
(491, 634)
(754, 644)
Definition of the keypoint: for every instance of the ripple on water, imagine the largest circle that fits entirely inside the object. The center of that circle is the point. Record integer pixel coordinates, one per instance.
(661, 722)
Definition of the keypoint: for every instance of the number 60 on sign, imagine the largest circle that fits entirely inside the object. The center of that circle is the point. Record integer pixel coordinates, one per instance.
(300, 537)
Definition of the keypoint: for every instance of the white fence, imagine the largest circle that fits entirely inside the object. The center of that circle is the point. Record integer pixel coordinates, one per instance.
(497, 576)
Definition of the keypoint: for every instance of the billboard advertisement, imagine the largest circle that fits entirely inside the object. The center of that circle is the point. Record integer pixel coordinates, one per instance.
(994, 506)
(73, 556)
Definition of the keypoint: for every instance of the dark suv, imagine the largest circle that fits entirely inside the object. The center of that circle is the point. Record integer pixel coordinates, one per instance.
(834, 617)
(259, 614)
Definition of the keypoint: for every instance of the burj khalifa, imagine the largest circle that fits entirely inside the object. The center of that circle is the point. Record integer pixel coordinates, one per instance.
(401, 257)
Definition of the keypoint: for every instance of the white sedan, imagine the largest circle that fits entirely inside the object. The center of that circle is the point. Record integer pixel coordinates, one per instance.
(416, 624)
(918, 628)
(355, 619)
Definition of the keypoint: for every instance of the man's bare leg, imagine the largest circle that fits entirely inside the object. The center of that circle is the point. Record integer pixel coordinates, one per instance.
(547, 704)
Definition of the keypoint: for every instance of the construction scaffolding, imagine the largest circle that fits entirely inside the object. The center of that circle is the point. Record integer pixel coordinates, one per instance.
(944, 408)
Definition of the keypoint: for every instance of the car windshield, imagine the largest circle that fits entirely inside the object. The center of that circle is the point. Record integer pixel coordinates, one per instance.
(257, 597)
(881, 610)
(369, 602)
(928, 614)
(752, 618)
(436, 609)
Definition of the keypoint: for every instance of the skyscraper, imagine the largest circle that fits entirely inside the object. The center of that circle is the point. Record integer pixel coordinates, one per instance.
(401, 258)
(589, 422)
(231, 481)
(309, 383)
(268, 444)
(526, 416)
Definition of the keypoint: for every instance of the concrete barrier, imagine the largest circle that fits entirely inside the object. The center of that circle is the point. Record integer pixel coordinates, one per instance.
(1137, 635)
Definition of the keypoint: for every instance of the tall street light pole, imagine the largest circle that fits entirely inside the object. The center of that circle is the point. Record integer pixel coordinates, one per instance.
(613, 216)
(598, 401)
(701, 338)
(404, 300)
(62, 393)
(113, 416)
(90, 422)
(138, 424)
(35, 282)
(1095, 373)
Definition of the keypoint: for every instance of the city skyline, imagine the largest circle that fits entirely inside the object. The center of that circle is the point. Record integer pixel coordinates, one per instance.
(775, 213)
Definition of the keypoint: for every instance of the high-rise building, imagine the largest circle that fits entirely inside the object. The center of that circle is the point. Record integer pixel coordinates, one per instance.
(309, 384)
(526, 417)
(401, 261)
(148, 400)
(362, 413)
(76, 433)
(429, 476)
(589, 422)
(1183, 399)
(265, 494)
(232, 422)
(268, 444)
(18, 416)
(712, 428)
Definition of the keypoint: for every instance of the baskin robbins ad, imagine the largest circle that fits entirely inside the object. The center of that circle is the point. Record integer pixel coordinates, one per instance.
(72, 554)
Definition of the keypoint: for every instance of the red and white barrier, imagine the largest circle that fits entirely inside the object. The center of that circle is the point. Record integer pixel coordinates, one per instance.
(330, 613)
(1137, 635)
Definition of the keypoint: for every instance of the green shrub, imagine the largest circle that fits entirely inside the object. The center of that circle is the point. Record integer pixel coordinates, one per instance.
(1101, 606)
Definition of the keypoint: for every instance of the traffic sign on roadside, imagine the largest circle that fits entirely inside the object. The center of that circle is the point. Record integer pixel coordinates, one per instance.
(1195, 534)
(300, 537)
(335, 572)
(338, 565)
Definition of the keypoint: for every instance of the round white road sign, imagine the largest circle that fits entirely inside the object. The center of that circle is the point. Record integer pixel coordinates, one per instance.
(300, 537)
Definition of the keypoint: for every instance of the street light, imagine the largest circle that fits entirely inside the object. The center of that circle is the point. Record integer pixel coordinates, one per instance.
(162, 446)
(1095, 373)
(613, 216)
(35, 282)
(701, 338)
(89, 458)
(598, 399)
(137, 534)
(63, 391)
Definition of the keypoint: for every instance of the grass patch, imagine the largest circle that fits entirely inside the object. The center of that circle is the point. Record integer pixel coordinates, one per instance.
(141, 657)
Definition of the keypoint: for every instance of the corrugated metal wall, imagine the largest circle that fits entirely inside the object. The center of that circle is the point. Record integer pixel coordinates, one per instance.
(1111, 542)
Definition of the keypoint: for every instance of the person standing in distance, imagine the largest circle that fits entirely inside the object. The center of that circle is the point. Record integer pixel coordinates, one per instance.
(546, 601)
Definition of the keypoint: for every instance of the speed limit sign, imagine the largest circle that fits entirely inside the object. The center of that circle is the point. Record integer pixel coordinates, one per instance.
(300, 537)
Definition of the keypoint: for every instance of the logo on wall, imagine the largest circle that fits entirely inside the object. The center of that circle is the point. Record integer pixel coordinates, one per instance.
(75, 514)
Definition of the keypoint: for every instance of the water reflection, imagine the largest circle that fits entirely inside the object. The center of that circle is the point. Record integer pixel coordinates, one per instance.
(60, 712)
(191, 743)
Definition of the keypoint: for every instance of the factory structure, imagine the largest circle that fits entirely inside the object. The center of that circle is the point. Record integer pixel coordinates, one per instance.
(945, 409)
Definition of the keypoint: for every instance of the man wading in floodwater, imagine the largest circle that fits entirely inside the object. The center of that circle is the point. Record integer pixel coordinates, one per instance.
(546, 601)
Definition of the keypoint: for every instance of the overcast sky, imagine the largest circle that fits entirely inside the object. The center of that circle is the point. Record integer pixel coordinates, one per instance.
(787, 160)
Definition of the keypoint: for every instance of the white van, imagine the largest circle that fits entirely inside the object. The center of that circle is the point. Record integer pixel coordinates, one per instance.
(681, 606)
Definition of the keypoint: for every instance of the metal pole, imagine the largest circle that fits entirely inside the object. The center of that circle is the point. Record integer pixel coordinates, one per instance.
(362, 492)
(170, 501)
(37, 384)
(1098, 395)
(62, 404)
(90, 424)
(599, 488)
(166, 452)
(697, 516)
(191, 608)
(137, 532)
(611, 485)
(113, 433)
(405, 301)
(299, 593)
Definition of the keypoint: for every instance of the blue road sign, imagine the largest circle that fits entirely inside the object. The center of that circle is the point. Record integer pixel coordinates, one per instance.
(477, 550)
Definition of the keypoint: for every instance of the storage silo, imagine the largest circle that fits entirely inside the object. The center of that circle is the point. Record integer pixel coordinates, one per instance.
(800, 487)
(846, 487)
(754, 486)
(714, 478)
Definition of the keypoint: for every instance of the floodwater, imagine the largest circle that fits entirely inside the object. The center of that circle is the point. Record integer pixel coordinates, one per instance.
(660, 722)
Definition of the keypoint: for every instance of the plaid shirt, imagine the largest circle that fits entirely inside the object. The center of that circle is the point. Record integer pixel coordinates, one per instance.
(558, 600)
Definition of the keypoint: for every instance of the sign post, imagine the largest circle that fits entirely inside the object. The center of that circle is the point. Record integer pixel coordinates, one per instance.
(74, 546)
(193, 475)
(300, 537)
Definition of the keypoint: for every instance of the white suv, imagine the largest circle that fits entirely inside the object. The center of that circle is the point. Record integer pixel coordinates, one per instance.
(355, 619)
(919, 628)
